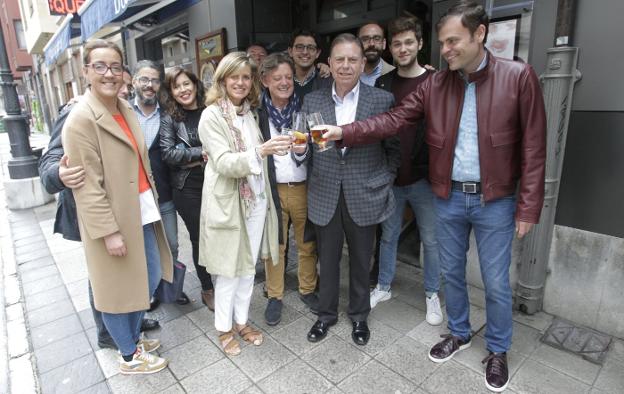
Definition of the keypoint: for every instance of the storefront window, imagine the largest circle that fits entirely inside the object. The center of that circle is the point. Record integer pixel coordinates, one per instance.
(510, 28)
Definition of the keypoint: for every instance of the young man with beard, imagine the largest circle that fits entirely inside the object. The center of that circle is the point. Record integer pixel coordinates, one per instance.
(486, 132)
(411, 185)
(146, 82)
(372, 37)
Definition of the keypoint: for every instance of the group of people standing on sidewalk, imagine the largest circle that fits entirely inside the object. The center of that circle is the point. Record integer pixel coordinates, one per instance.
(465, 147)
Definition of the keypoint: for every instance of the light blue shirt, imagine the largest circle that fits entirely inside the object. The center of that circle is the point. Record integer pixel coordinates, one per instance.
(371, 78)
(150, 124)
(466, 166)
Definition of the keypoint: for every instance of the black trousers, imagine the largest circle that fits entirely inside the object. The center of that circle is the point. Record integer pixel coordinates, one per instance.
(330, 239)
(188, 204)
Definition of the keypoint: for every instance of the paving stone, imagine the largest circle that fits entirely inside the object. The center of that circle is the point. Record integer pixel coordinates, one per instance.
(398, 315)
(22, 377)
(48, 297)
(57, 244)
(59, 329)
(166, 312)
(540, 320)
(86, 318)
(12, 293)
(138, 384)
(291, 298)
(427, 334)
(252, 390)
(472, 357)
(534, 377)
(39, 273)
(289, 315)
(175, 389)
(50, 313)
(190, 357)
(40, 285)
(567, 363)
(203, 319)
(24, 231)
(381, 337)
(294, 336)
(72, 377)
(18, 345)
(37, 263)
(611, 377)
(257, 362)
(220, 377)
(375, 378)
(72, 265)
(295, 377)
(525, 339)
(616, 350)
(100, 388)
(335, 359)
(108, 360)
(28, 241)
(30, 254)
(408, 357)
(14, 312)
(176, 332)
(62, 352)
(452, 378)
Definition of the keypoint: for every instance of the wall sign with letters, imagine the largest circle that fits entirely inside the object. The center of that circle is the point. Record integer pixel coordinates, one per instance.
(64, 7)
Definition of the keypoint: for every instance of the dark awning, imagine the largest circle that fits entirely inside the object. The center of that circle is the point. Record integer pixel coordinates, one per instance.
(60, 40)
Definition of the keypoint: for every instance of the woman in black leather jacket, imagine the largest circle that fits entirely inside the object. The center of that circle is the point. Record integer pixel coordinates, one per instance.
(183, 101)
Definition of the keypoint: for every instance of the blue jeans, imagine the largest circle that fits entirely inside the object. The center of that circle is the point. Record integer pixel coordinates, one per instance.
(494, 226)
(170, 222)
(420, 198)
(125, 328)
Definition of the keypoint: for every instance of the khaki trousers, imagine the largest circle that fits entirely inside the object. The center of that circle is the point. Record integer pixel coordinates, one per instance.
(294, 201)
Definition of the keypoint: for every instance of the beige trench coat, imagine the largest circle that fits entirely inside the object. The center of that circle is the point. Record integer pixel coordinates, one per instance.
(109, 202)
(224, 247)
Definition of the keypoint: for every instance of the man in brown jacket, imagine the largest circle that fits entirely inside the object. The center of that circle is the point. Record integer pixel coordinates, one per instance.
(487, 148)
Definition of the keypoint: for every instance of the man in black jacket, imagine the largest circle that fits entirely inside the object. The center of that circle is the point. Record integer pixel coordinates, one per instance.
(58, 177)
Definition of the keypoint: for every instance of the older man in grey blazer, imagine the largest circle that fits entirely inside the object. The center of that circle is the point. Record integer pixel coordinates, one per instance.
(349, 190)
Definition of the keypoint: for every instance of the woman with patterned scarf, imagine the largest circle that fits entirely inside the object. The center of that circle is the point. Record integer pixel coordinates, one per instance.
(238, 220)
(288, 184)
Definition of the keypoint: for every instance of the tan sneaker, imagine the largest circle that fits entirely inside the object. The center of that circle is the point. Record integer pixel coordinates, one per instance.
(148, 345)
(142, 363)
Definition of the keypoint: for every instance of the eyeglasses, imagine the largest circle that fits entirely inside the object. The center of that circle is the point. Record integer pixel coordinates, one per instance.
(375, 39)
(102, 68)
(301, 48)
(144, 81)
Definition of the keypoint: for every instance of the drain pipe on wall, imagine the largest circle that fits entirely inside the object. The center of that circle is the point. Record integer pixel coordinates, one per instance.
(558, 83)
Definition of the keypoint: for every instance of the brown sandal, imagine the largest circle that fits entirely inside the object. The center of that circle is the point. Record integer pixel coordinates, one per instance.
(229, 344)
(250, 335)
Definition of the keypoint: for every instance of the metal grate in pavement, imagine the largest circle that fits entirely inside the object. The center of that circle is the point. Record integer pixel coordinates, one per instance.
(587, 343)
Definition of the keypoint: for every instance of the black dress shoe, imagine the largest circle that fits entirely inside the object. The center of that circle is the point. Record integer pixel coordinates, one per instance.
(153, 305)
(360, 333)
(319, 330)
(149, 324)
(183, 300)
(496, 372)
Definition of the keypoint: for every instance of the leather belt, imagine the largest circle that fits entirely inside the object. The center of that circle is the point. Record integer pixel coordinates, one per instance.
(292, 184)
(466, 187)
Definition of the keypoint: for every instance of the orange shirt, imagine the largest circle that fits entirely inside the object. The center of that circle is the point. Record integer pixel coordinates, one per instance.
(144, 184)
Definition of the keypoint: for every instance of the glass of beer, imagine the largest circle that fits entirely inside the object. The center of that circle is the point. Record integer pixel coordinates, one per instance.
(315, 121)
(299, 127)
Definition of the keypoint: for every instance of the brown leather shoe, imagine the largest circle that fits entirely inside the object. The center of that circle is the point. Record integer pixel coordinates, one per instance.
(496, 372)
(208, 298)
(446, 349)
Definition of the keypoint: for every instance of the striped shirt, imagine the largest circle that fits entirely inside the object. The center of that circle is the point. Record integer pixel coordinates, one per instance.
(150, 124)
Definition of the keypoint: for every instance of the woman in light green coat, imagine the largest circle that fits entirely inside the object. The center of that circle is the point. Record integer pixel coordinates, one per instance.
(238, 218)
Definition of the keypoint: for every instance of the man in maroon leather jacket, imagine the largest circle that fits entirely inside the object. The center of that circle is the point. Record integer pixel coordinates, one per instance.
(487, 148)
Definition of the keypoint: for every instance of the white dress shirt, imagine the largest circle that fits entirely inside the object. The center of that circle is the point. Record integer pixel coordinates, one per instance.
(286, 169)
(346, 107)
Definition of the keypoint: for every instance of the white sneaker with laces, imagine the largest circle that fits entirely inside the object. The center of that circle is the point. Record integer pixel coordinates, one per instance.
(434, 310)
(148, 345)
(142, 363)
(377, 295)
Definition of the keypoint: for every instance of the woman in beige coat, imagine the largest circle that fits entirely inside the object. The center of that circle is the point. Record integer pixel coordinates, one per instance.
(125, 246)
(238, 218)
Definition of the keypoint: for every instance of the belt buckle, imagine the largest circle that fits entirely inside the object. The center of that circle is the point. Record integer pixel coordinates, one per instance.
(469, 187)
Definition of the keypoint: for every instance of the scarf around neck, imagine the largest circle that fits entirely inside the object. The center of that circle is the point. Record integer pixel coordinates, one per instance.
(229, 113)
(281, 118)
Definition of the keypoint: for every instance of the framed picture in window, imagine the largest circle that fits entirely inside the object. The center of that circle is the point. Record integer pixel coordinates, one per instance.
(209, 50)
(503, 37)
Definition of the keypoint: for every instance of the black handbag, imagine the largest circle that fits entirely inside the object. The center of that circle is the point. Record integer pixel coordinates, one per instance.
(168, 293)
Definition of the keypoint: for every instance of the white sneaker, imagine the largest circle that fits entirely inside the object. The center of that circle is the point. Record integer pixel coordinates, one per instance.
(434, 310)
(148, 345)
(377, 295)
(142, 363)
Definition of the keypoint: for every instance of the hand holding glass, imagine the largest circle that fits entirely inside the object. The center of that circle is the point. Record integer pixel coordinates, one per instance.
(315, 121)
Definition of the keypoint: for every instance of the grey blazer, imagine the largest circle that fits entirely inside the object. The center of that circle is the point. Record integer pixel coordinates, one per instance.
(365, 173)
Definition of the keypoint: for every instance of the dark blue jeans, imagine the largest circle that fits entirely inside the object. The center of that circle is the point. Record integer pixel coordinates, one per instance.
(494, 227)
(125, 328)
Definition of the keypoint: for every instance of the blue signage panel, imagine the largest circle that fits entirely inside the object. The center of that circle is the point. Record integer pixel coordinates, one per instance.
(59, 43)
(99, 13)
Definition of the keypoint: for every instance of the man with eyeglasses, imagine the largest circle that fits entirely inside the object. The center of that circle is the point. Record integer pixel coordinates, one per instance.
(372, 37)
(304, 50)
(146, 82)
